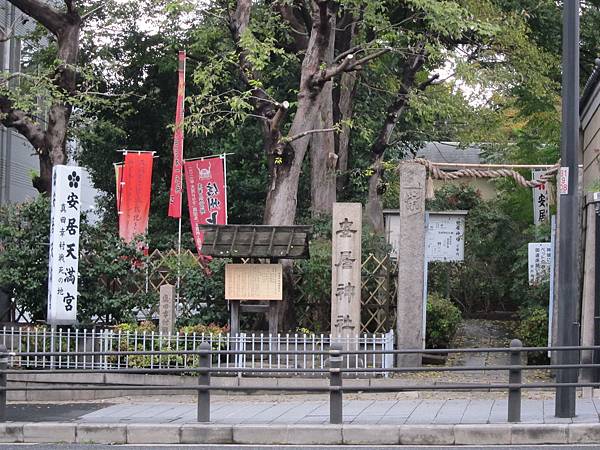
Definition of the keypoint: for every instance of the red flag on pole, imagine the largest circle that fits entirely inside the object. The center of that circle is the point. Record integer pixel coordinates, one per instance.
(207, 201)
(134, 204)
(176, 175)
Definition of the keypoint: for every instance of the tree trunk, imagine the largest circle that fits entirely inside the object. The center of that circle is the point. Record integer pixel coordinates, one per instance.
(322, 145)
(50, 144)
(343, 111)
(374, 207)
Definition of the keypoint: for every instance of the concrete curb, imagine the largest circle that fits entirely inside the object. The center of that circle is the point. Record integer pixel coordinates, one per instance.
(348, 434)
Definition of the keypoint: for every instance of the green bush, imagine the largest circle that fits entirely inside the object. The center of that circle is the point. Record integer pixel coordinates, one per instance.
(443, 319)
(533, 331)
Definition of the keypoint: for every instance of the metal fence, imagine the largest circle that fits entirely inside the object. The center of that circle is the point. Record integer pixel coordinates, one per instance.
(66, 346)
(334, 357)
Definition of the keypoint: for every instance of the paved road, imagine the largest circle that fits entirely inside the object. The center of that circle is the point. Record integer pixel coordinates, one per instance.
(272, 447)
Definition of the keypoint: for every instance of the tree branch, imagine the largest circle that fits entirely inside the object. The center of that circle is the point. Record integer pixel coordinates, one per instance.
(368, 58)
(279, 116)
(20, 121)
(347, 65)
(309, 132)
(92, 12)
(297, 24)
(70, 7)
(428, 82)
(41, 12)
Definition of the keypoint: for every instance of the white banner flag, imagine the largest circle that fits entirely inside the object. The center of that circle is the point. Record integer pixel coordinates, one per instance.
(64, 245)
(541, 206)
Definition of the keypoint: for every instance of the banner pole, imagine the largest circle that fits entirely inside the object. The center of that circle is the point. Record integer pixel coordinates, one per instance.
(224, 156)
(178, 263)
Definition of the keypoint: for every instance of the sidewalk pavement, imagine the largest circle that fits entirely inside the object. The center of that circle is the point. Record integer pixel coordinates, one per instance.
(363, 412)
(305, 422)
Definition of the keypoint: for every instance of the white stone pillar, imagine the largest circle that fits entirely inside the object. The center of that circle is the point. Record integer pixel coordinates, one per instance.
(346, 270)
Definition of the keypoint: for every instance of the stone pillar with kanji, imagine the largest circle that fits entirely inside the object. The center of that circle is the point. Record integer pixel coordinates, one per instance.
(346, 268)
(411, 260)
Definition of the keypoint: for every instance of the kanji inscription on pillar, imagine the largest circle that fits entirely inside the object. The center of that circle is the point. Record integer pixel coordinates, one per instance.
(345, 275)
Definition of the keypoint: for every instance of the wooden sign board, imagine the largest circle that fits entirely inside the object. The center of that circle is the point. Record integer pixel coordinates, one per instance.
(253, 282)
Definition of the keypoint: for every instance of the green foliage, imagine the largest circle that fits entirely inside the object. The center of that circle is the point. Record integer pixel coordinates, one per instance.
(493, 275)
(533, 331)
(24, 254)
(443, 319)
(104, 258)
(203, 292)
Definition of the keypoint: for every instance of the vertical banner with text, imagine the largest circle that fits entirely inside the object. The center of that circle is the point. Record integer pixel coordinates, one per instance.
(134, 204)
(205, 179)
(541, 206)
(64, 245)
(177, 173)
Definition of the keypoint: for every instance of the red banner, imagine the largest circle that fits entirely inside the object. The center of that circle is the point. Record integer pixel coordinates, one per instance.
(177, 175)
(134, 204)
(205, 179)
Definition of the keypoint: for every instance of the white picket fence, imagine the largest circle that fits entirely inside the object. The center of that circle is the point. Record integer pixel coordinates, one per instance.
(24, 340)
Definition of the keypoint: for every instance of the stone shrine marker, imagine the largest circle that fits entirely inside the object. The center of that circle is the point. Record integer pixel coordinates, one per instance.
(411, 262)
(346, 267)
(166, 313)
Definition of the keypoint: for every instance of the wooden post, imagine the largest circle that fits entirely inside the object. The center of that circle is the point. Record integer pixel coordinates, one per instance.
(234, 317)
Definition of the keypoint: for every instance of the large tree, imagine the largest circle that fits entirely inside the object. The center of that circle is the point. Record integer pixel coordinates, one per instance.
(58, 85)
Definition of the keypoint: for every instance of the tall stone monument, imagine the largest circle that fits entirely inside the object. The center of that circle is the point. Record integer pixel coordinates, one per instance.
(345, 274)
(166, 313)
(411, 262)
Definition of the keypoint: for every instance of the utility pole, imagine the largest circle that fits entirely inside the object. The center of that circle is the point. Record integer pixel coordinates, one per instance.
(569, 235)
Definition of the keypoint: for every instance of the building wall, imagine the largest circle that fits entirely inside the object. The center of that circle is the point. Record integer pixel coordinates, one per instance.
(18, 161)
(17, 158)
(590, 140)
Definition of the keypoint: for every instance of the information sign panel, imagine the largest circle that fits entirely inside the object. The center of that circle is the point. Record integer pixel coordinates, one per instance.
(539, 258)
(444, 240)
(253, 282)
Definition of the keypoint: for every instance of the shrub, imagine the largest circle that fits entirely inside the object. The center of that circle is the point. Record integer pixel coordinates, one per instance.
(533, 331)
(443, 319)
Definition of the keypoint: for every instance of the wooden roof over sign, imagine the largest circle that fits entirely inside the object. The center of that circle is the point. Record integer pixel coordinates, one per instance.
(256, 241)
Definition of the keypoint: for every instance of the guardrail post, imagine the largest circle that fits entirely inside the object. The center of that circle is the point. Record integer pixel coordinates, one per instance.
(514, 377)
(335, 380)
(204, 380)
(3, 367)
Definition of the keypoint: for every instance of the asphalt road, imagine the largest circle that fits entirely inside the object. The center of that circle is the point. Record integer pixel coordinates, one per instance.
(272, 447)
(41, 412)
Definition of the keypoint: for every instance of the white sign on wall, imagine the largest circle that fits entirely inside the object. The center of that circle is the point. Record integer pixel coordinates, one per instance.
(444, 240)
(539, 258)
(541, 205)
(64, 245)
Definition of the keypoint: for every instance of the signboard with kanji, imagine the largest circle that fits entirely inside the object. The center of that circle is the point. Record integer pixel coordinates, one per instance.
(64, 245)
(539, 261)
(444, 237)
(253, 282)
(541, 207)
